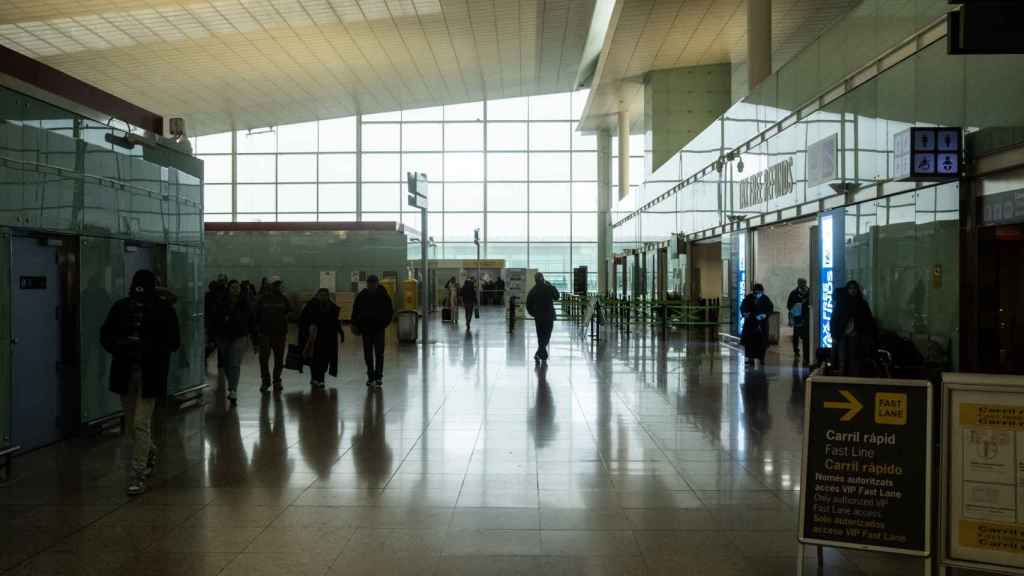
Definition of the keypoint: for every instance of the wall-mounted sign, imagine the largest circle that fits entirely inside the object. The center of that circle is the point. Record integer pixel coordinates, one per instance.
(741, 278)
(927, 154)
(867, 467)
(821, 161)
(1002, 208)
(32, 282)
(774, 182)
(826, 232)
(983, 472)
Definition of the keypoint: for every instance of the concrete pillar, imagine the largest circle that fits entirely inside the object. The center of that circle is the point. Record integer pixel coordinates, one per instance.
(759, 41)
(234, 174)
(604, 203)
(623, 154)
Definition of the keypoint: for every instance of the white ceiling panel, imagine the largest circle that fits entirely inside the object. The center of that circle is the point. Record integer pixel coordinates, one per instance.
(251, 63)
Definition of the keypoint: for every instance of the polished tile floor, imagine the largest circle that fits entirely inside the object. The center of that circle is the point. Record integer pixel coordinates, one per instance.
(638, 454)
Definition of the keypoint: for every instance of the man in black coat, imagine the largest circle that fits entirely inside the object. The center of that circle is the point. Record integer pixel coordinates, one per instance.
(756, 309)
(798, 305)
(540, 303)
(372, 313)
(140, 332)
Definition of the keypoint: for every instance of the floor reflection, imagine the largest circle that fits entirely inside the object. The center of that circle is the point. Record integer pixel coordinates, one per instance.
(227, 463)
(272, 465)
(644, 452)
(370, 449)
(319, 427)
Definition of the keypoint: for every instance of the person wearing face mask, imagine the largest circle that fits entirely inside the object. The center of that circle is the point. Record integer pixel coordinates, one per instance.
(799, 308)
(756, 308)
(319, 331)
(854, 332)
(140, 333)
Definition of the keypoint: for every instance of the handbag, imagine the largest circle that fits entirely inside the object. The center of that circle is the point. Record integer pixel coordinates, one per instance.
(476, 312)
(293, 360)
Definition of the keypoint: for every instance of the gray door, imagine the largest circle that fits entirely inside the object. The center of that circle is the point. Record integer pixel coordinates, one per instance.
(138, 258)
(35, 331)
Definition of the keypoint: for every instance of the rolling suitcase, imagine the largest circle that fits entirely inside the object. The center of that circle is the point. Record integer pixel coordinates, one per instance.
(446, 315)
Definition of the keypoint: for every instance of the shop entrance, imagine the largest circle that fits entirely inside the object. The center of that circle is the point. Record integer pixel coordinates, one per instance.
(1001, 322)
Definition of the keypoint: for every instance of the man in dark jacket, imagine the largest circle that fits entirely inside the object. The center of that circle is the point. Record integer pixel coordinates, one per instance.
(272, 311)
(798, 305)
(469, 301)
(140, 332)
(372, 312)
(540, 303)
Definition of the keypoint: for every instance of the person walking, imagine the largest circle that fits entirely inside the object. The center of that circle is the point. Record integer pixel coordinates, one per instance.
(140, 333)
(319, 332)
(799, 308)
(453, 300)
(854, 332)
(756, 309)
(540, 303)
(469, 300)
(272, 310)
(372, 312)
(235, 323)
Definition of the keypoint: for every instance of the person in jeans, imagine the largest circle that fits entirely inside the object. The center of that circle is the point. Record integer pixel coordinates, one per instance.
(469, 301)
(319, 330)
(235, 323)
(140, 333)
(371, 315)
(272, 310)
(540, 303)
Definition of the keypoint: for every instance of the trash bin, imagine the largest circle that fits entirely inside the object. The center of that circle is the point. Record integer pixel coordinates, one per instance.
(774, 329)
(408, 325)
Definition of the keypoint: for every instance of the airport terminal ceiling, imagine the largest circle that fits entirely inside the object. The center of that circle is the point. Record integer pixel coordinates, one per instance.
(225, 64)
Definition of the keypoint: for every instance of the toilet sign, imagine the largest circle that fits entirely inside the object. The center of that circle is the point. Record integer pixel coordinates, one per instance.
(866, 480)
(927, 154)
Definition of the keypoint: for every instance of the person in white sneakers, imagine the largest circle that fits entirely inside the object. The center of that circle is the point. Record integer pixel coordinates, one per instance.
(140, 333)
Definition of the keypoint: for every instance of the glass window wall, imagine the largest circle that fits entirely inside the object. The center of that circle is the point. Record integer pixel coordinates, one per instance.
(515, 169)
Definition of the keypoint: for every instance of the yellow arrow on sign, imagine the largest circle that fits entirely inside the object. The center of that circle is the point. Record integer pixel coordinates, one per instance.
(852, 406)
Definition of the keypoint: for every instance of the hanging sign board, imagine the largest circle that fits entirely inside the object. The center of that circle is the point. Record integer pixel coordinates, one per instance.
(983, 472)
(927, 154)
(866, 478)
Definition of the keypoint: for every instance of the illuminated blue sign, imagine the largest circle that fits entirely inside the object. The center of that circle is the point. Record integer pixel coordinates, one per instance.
(826, 230)
(741, 279)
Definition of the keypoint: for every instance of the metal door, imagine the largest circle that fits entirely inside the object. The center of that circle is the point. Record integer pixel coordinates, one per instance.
(36, 395)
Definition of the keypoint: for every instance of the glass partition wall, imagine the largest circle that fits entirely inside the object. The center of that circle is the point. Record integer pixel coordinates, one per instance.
(515, 169)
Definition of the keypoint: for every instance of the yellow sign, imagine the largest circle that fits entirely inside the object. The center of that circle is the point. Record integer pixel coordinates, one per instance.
(890, 408)
(852, 406)
(1005, 538)
(992, 416)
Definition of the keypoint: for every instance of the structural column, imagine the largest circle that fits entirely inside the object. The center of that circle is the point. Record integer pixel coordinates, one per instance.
(623, 154)
(234, 175)
(759, 41)
(604, 202)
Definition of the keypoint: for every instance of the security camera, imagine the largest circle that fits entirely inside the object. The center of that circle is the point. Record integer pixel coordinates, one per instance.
(176, 128)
